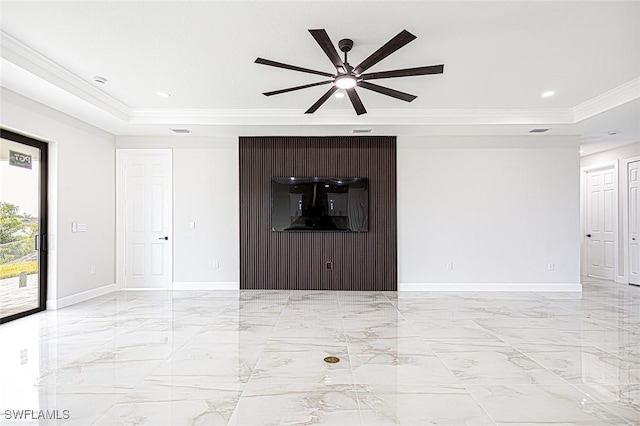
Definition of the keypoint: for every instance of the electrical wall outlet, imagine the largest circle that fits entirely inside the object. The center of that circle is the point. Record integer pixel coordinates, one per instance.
(449, 266)
(330, 265)
(551, 266)
(92, 270)
(216, 264)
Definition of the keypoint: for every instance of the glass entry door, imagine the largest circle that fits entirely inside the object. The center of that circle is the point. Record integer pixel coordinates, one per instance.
(23, 225)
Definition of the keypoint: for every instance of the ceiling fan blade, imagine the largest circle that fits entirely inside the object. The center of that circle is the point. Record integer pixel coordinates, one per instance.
(407, 72)
(291, 89)
(356, 102)
(291, 67)
(387, 49)
(386, 91)
(327, 46)
(322, 100)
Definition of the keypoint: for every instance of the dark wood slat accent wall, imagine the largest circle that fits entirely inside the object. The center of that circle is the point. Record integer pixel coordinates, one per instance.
(297, 260)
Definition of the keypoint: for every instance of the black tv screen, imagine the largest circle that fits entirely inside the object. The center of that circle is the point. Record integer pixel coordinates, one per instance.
(320, 204)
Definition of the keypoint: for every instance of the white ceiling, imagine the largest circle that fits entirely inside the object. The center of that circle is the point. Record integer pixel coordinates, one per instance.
(499, 57)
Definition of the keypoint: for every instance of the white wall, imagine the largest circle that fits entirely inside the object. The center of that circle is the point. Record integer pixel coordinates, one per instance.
(621, 153)
(205, 191)
(82, 189)
(501, 209)
(617, 155)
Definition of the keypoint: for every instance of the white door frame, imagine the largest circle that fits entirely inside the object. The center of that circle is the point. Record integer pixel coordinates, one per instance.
(625, 216)
(583, 212)
(121, 155)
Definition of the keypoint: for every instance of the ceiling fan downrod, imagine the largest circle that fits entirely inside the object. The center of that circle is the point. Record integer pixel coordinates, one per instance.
(345, 45)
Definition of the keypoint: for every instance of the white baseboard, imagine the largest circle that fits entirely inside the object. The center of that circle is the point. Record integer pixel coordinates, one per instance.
(207, 285)
(532, 287)
(80, 297)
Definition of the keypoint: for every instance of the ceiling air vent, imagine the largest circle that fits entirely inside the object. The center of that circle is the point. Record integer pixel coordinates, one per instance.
(361, 131)
(181, 131)
(538, 130)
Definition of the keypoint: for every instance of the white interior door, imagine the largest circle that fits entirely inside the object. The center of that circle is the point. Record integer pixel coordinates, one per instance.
(148, 219)
(634, 223)
(600, 220)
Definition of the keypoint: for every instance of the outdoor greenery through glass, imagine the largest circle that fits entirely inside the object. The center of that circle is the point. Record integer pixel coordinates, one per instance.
(17, 241)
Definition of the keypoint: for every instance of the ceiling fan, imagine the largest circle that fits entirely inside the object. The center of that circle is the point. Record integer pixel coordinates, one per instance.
(348, 77)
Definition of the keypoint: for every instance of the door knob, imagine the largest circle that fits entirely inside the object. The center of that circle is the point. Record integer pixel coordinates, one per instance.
(588, 235)
(164, 238)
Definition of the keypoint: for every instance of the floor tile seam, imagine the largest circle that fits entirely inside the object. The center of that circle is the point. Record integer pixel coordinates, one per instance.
(484, 410)
(353, 376)
(395, 305)
(600, 404)
(597, 345)
(402, 317)
(493, 333)
(543, 367)
(172, 352)
(96, 421)
(438, 355)
(541, 385)
(269, 338)
(164, 361)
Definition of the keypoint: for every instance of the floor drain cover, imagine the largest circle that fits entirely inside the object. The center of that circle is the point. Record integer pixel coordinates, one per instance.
(332, 359)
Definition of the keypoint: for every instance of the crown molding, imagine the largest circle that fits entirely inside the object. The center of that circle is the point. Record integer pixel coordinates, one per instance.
(23, 56)
(613, 98)
(345, 117)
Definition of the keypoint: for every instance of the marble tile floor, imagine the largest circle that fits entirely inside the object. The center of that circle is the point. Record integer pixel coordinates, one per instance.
(256, 358)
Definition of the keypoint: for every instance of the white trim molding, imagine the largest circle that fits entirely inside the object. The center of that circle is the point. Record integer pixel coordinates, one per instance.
(613, 98)
(502, 287)
(18, 53)
(208, 285)
(63, 302)
(379, 117)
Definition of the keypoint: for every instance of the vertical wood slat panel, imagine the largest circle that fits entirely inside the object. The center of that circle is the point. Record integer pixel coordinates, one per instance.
(296, 260)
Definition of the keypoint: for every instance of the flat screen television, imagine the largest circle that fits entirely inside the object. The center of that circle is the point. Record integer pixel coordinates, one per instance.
(320, 204)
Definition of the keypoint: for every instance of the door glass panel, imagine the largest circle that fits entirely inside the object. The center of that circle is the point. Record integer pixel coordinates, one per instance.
(19, 228)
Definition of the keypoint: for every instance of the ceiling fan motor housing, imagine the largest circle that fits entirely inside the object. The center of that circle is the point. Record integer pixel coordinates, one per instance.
(345, 45)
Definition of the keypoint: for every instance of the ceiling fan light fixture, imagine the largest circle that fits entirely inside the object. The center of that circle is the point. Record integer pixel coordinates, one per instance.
(346, 81)
(348, 77)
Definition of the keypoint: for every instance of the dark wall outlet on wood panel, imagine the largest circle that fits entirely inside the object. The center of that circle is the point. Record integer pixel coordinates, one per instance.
(317, 260)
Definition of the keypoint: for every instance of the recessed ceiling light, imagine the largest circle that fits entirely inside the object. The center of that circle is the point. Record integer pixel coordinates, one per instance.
(548, 94)
(613, 132)
(99, 79)
(339, 95)
(163, 94)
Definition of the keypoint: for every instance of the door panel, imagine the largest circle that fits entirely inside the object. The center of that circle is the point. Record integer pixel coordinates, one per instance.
(148, 221)
(634, 223)
(600, 238)
(23, 225)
